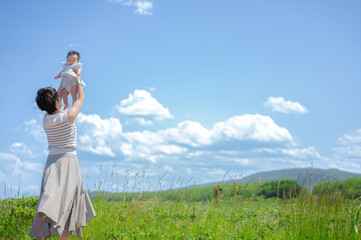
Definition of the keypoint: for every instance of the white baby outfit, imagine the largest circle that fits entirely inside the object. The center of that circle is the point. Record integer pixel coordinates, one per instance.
(69, 76)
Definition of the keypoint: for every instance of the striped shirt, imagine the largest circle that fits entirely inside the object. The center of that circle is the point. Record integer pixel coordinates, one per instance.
(61, 135)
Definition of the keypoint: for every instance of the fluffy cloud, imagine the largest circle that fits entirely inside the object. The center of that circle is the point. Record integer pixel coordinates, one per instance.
(33, 128)
(353, 138)
(303, 153)
(349, 151)
(100, 133)
(281, 105)
(143, 7)
(189, 133)
(242, 144)
(21, 148)
(245, 140)
(98, 147)
(10, 163)
(20, 169)
(350, 146)
(140, 121)
(102, 128)
(249, 127)
(142, 108)
(348, 155)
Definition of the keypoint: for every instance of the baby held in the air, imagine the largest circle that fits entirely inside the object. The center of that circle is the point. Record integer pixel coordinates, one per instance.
(70, 74)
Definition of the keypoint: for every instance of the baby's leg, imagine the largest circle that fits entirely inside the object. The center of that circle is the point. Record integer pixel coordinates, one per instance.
(74, 91)
(65, 94)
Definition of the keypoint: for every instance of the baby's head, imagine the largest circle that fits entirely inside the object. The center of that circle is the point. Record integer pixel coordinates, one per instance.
(72, 58)
(47, 99)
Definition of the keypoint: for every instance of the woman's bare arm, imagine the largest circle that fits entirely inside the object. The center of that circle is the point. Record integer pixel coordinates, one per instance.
(75, 108)
(60, 90)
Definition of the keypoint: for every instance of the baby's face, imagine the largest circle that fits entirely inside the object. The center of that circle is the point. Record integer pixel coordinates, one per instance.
(72, 59)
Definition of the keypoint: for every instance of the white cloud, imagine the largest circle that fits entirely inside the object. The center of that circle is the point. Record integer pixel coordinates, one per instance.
(251, 127)
(171, 149)
(143, 7)
(187, 132)
(302, 153)
(98, 147)
(240, 140)
(13, 165)
(100, 133)
(242, 161)
(242, 144)
(279, 104)
(127, 149)
(140, 121)
(22, 149)
(353, 138)
(348, 155)
(35, 129)
(350, 146)
(103, 128)
(349, 151)
(143, 138)
(141, 107)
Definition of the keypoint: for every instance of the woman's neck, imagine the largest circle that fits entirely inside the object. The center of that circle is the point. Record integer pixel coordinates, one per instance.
(55, 112)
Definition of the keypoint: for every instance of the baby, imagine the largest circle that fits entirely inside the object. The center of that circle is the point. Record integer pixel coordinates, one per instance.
(70, 74)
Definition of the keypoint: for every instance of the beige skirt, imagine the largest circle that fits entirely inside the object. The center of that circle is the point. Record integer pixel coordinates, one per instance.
(64, 206)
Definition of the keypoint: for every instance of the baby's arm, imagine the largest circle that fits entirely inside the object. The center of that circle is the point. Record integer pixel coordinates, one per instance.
(78, 72)
(59, 75)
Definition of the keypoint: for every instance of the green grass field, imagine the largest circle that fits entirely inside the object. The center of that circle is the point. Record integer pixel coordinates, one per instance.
(293, 214)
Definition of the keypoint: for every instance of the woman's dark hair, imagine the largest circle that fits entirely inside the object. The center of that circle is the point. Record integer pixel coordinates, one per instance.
(46, 98)
(73, 53)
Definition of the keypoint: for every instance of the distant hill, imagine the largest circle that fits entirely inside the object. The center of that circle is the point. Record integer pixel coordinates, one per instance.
(301, 175)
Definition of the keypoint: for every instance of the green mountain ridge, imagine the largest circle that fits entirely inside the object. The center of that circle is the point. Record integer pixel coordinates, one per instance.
(303, 176)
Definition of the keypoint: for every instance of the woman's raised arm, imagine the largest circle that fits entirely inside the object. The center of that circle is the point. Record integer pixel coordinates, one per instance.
(60, 90)
(75, 108)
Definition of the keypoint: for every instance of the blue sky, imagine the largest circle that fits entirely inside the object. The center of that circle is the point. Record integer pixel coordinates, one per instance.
(193, 89)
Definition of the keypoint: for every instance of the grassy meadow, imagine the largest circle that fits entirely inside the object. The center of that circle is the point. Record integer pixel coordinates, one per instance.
(270, 210)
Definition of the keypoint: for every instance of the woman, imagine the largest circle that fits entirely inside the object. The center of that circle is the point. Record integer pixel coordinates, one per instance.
(64, 205)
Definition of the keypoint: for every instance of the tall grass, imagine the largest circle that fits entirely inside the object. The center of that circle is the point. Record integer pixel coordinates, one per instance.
(128, 207)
